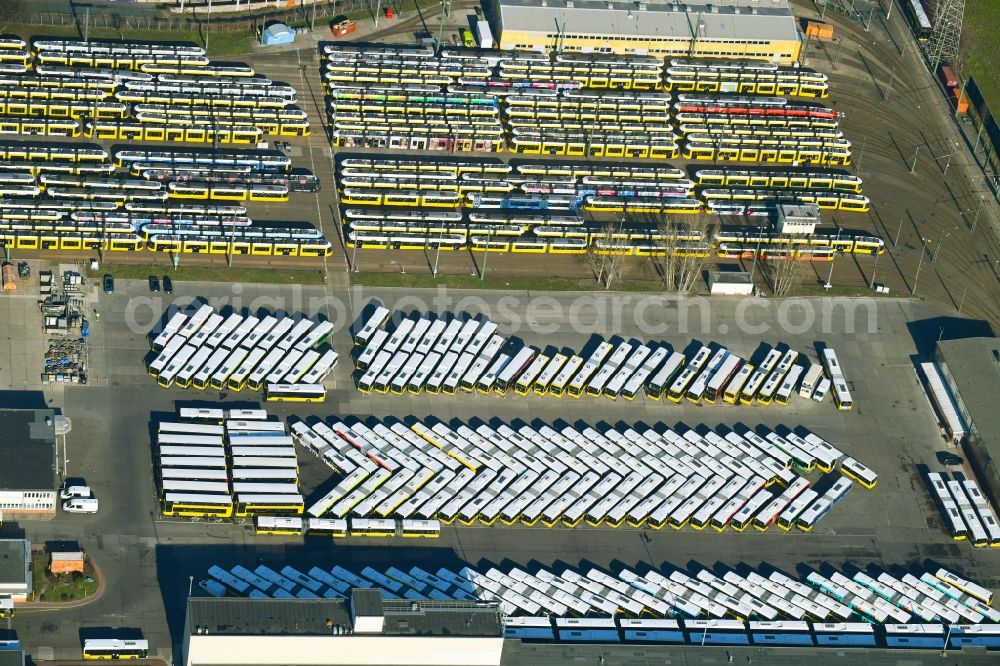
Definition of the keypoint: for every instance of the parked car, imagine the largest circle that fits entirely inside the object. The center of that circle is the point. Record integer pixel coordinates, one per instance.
(109, 284)
(168, 285)
(154, 283)
(70, 492)
(949, 459)
(81, 505)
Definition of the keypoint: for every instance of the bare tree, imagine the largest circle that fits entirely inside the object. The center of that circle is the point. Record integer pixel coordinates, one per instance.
(605, 255)
(682, 254)
(783, 273)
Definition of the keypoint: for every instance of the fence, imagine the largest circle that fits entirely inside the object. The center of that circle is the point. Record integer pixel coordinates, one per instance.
(124, 21)
(987, 129)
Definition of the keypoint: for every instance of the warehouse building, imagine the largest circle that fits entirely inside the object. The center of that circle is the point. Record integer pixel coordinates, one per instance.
(363, 630)
(741, 29)
(970, 369)
(15, 570)
(28, 479)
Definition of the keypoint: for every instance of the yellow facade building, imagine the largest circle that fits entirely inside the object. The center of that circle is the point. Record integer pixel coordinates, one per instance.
(739, 29)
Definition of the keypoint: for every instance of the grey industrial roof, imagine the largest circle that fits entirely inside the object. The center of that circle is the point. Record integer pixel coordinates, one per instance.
(441, 618)
(974, 363)
(235, 616)
(722, 19)
(27, 450)
(241, 616)
(366, 603)
(731, 277)
(12, 561)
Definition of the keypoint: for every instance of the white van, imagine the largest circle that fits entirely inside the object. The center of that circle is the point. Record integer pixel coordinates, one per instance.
(80, 505)
(69, 492)
(821, 389)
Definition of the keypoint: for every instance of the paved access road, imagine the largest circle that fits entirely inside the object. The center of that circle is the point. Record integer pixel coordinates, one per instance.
(148, 561)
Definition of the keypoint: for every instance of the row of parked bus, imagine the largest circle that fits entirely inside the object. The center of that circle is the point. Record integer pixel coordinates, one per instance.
(144, 92)
(285, 358)
(700, 605)
(375, 187)
(67, 197)
(242, 465)
(436, 355)
(389, 228)
(344, 527)
(481, 474)
(408, 65)
(386, 98)
(967, 512)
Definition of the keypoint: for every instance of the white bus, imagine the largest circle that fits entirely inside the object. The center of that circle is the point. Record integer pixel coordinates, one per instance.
(841, 394)
(367, 380)
(202, 378)
(696, 390)
(157, 365)
(196, 321)
(221, 377)
(810, 381)
(720, 379)
(624, 373)
(402, 380)
(597, 382)
(630, 389)
(558, 385)
(784, 392)
(430, 338)
(170, 329)
(517, 365)
(487, 381)
(166, 377)
(455, 374)
(259, 331)
(579, 382)
(528, 377)
(242, 330)
(434, 382)
(371, 350)
(415, 335)
(371, 324)
(416, 383)
(443, 344)
(326, 363)
(735, 387)
(665, 376)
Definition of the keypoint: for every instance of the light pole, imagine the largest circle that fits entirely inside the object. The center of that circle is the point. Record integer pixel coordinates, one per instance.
(486, 254)
(982, 200)
(895, 241)
(445, 12)
(829, 278)
(756, 253)
(923, 247)
(874, 267)
(962, 302)
(947, 637)
(437, 258)
(913, 166)
(208, 28)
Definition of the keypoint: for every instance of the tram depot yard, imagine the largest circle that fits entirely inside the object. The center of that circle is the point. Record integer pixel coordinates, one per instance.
(506, 498)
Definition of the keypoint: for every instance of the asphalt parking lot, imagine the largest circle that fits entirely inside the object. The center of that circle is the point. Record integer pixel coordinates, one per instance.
(148, 560)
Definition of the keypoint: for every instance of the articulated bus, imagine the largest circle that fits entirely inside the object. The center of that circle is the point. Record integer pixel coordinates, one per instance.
(40, 127)
(197, 505)
(295, 392)
(665, 376)
(115, 648)
(684, 378)
(137, 131)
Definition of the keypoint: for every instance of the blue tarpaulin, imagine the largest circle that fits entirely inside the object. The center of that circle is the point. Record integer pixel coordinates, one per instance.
(278, 33)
